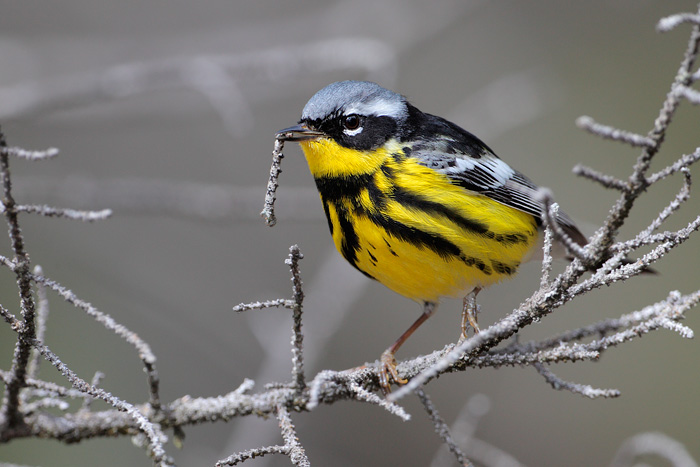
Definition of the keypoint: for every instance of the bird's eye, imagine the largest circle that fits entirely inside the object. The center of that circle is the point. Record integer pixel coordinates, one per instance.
(351, 122)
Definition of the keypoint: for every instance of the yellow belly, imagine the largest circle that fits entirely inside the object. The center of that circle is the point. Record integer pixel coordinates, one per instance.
(420, 273)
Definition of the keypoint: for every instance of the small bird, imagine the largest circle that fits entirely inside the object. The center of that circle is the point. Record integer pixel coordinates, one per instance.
(416, 202)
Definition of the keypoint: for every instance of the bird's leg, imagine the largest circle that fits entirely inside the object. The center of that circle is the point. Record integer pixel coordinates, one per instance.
(388, 362)
(470, 310)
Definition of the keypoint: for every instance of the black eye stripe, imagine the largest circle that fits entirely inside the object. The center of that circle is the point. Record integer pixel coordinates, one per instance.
(376, 130)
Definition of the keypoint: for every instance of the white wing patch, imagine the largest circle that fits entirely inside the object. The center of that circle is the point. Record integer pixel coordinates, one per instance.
(494, 172)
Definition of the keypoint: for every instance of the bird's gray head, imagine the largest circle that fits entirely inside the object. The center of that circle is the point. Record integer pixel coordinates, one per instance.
(354, 97)
(356, 114)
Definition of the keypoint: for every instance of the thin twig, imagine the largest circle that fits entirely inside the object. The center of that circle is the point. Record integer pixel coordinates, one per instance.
(583, 389)
(75, 214)
(608, 181)
(363, 394)
(268, 212)
(689, 93)
(297, 336)
(348, 382)
(95, 382)
(29, 408)
(686, 160)
(547, 256)
(278, 302)
(682, 196)
(549, 215)
(645, 237)
(670, 22)
(442, 429)
(664, 241)
(39, 388)
(30, 155)
(10, 319)
(41, 317)
(296, 451)
(243, 456)
(608, 132)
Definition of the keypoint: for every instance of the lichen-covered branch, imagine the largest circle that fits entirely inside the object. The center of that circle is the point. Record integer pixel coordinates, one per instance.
(26, 333)
(268, 212)
(297, 337)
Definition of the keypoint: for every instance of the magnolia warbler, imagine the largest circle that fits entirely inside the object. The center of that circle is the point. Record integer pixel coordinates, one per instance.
(416, 202)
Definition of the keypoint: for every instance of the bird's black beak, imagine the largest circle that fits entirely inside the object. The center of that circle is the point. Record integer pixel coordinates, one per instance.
(298, 133)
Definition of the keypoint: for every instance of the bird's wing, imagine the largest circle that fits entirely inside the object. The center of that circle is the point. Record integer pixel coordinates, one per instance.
(475, 167)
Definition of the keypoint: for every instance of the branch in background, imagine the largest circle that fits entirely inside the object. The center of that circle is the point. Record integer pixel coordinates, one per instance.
(215, 77)
(658, 444)
(442, 429)
(464, 429)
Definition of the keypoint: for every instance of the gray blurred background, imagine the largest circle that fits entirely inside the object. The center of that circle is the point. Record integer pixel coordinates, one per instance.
(166, 111)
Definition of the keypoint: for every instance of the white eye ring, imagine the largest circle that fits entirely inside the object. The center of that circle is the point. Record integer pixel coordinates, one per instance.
(353, 132)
